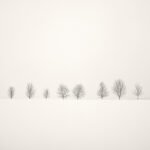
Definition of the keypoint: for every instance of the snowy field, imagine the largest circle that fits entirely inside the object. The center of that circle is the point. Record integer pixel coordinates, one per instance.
(74, 125)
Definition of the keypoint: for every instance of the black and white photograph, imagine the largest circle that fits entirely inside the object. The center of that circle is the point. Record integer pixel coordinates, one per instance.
(74, 75)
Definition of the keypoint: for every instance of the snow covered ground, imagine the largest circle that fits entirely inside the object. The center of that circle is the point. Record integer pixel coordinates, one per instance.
(74, 125)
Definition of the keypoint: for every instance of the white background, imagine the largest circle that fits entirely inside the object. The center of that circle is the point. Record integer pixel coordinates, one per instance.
(74, 125)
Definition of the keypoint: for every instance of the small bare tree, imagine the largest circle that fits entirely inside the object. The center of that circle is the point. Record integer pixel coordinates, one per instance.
(102, 92)
(138, 91)
(11, 92)
(119, 88)
(30, 90)
(46, 93)
(78, 91)
(63, 91)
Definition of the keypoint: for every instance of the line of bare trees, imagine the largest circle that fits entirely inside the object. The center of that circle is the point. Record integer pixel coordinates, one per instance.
(119, 89)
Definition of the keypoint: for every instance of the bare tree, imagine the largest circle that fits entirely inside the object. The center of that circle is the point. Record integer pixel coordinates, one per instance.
(46, 93)
(30, 90)
(119, 88)
(78, 91)
(138, 91)
(102, 92)
(63, 91)
(11, 92)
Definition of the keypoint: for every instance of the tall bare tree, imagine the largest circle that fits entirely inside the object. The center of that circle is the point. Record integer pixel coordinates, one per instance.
(102, 92)
(11, 92)
(63, 91)
(46, 93)
(30, 90)
(79, 91)
(119, 88)
(138, 91)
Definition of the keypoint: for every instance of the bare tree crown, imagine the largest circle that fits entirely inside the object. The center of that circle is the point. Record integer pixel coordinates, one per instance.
(63, 91)
(30, 90)
(119, 88)
(46, 93)
(138, 91)
(102, 92)
(79, 91)
(11, 92)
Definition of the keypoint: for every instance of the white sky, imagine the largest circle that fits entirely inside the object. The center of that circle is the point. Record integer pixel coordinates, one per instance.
(49, 42)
